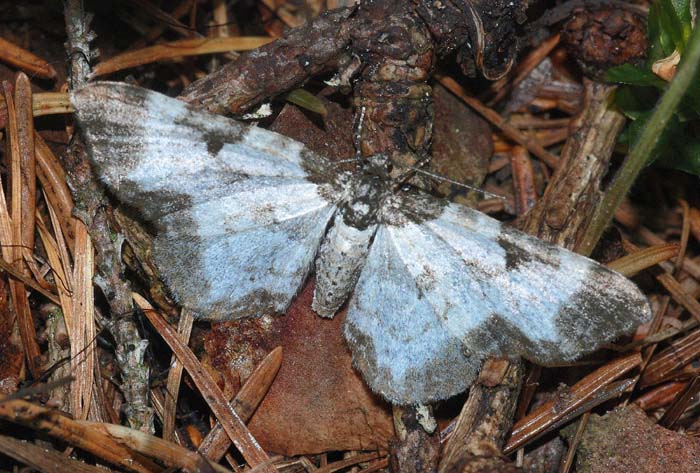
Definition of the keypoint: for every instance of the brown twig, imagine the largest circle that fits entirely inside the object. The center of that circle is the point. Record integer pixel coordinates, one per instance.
(484, 419)
(13, 235)
(640, 260)
(277, 67)
(416, 449)
(24, 60)
(177, 49)
(523, 180)
(575, 186)
(53, 183)
(172, 387)
(679, 294)
(548, 414)
(571, 454)
(342, 464)
(677, 354)
(168, 453)
(680, 403)
(251, 394)
(232, 424)
(91, 206)
(42, 458)
(75, 433)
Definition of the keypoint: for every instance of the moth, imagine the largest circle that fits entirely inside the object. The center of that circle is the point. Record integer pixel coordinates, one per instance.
(241, 214)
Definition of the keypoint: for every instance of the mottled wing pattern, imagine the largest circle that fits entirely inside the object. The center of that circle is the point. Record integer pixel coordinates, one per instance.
(437, 297)
(239, 211)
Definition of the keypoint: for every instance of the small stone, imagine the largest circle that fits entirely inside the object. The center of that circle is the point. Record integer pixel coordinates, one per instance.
(625, 440)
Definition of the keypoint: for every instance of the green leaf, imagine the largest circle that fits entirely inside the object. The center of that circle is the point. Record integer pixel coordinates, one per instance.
(682, 8)
(632, 75)
(633, 131)
(666, 152)
(685, 157)
(671, 26)
(654, 33)
(307, 100)
(634, 102)
(660, 40)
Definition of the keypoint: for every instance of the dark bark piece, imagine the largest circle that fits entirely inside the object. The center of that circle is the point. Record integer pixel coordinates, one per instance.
(393, 44)
(492, 29)
(392, 99)
(487, 415)
(605, 37)
(414, 450)
(274, 68)
(321, 45)
(446, 22)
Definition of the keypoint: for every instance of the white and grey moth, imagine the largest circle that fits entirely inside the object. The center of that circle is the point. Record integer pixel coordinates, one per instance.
(241, 214)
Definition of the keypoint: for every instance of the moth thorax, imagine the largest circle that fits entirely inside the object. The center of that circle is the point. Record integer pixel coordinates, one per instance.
(378, 165)
(360, 209)
(339, 263)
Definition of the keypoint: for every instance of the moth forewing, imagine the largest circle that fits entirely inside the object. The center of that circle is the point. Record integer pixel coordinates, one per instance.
(240, 212)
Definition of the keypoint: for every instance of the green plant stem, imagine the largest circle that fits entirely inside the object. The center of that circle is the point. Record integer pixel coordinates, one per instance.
(639, 155)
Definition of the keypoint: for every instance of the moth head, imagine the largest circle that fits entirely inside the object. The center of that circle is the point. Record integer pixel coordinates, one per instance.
(378, 165)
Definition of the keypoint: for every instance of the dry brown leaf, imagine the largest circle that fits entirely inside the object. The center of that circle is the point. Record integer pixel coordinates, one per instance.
(666, 67)
(318, 402)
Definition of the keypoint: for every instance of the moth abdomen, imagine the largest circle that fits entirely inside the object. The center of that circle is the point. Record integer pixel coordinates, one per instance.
(338, 265)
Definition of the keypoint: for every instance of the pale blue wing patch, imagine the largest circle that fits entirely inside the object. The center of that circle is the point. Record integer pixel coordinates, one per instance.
(239, 211)
(227, 263)
(531, 298)
(469, 281)
(399, 344)
(160, 155)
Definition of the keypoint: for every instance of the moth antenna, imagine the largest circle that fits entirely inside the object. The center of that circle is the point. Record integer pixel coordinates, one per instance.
(356, 137)
(412, 170)
(358, 128)
(460, 184)
(349, 160)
